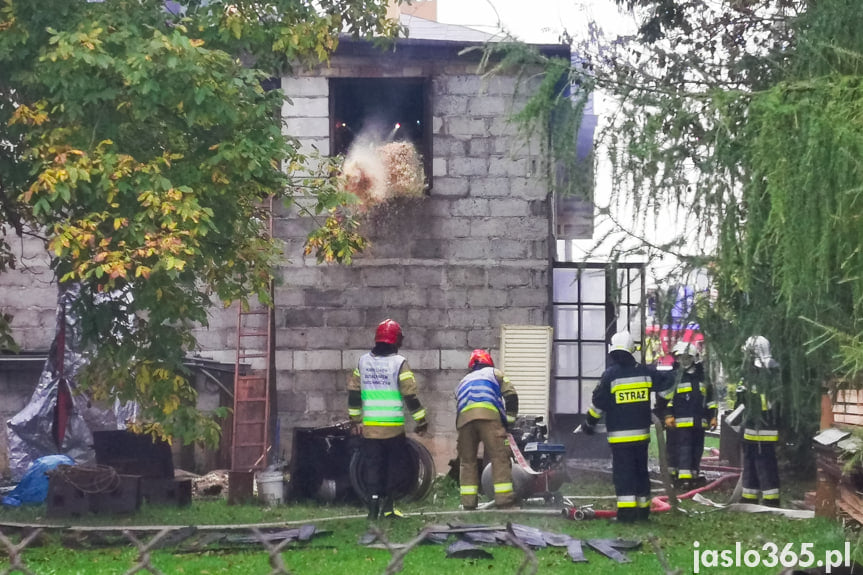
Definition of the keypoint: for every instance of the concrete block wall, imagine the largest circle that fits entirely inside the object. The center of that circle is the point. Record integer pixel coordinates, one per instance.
(451, 267)
(29, 293)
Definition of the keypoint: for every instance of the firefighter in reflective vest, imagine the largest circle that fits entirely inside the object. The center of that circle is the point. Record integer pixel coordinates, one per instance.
(757, 392)
(688, 407)
(379, 389)
(623, 396)
(486, 404)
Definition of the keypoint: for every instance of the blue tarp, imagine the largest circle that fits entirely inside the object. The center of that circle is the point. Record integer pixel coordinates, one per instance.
(33, 488)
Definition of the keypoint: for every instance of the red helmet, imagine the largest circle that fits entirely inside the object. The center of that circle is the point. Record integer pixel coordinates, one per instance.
(480, 356)
(388, 331)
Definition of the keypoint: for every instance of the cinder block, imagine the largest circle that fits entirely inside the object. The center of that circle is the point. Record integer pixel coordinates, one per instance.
(319, 360)
(468, 85)
(461, 167)
(422, 358)
(486, 297)
(454, 187)
(299, 107)
(454, 358)
(308, 127)
(382, 276)
(439, 167)
(527, 298)
(305, 86)
(450, 105)
(473, 207)
(467, 318)
(504, 208)
(487, 105)
(511, 167)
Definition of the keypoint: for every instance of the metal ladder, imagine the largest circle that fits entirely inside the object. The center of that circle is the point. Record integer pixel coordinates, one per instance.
(252, 378)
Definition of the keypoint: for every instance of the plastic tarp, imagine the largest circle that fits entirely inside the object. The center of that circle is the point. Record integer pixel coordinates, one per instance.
(33, 488)
(57, 419)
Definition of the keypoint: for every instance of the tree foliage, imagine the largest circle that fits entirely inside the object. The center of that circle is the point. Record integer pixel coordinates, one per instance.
(137, 139)
(745, 115)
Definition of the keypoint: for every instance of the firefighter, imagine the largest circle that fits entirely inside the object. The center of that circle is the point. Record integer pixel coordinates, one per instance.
(757, 392)
(690, 409)
(379, 389)
(623, 396)
(486, 403)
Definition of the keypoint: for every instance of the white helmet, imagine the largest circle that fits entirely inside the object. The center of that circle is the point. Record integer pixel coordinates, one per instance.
(622, 341)
(758, 347)
(685, 348)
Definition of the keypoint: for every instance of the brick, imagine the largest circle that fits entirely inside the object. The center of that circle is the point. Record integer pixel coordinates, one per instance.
(475, 249)
(325, 298)
(483, 297)
(484, 187)
(450, 187)
(447, 298)
(455, 105)
(528, 297)
(420, 359)
(460, 126)
(487, 106)
(424, 276)
(447, 337)
(306, 107)
(480, 147)
(503, 208)
(454, 359)
(471, 207)
(483, 338)
(304, 86)
(363, 298)
(319, 360)
(299, 317)
(467, 317)
(467, 276)
(382, 276)
(448, 146)
(510, 316)
(510, 167)
(509, 250)
(439, 167)
(502, 127)
(427, 317)
(284, 360)
(311, 338)
(344, 318)
(530, 188)
(854, 419)
(460, 167)
(405, 297)
(451, 229)
(305, 276)
(488, 227)
(502, 277)
(307, 128)
(468, 85)
(351, 358)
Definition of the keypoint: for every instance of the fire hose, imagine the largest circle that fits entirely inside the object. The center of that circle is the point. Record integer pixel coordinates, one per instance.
(658, 504)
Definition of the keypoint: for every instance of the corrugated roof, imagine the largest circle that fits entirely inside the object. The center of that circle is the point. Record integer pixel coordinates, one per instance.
(422, 29)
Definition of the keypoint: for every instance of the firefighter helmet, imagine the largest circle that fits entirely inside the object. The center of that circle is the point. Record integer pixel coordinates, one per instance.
(389, 331)
(685, 348)
(622, 341)
(479, 356)
(758, 348)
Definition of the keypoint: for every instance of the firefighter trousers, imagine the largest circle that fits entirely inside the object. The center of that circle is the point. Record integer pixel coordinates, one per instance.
(672, 450)
(378, 453)
(631, 480)
(690, 444)
(492, 434)
(760, 473)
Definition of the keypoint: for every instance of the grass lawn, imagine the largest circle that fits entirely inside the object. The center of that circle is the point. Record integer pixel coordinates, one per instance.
(339, 552)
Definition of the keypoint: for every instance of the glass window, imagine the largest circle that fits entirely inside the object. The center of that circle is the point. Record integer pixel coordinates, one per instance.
(593, 359)
(593, 286)
(587, 387)
(566, 396)
(566, 322)
(565, 285)
(593, 322)
(566, 356)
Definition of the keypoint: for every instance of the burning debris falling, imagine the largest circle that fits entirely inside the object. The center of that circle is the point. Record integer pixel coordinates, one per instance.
(376, 173)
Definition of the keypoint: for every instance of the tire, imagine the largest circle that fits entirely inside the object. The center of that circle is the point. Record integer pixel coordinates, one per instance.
(413, 477)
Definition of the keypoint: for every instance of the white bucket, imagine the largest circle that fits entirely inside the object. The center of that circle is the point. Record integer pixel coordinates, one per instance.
(271, 487)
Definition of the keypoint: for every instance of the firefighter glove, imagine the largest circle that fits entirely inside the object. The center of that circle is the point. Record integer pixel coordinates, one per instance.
(422, 427)
(587, 428)
(669, 421)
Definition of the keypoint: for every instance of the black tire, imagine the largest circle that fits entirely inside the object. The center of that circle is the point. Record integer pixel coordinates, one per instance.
(413, 477)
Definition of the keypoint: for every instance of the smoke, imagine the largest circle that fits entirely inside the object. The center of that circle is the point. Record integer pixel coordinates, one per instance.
(376, 172)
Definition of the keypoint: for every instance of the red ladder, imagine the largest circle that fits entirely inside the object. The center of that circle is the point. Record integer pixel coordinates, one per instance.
(252, 378)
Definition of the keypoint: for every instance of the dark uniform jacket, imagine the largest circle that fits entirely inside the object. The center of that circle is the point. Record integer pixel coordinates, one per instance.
(757, 392)
(689, 399)
(623, 396)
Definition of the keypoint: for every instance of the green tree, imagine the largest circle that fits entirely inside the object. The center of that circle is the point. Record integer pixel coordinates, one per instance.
(138, 141)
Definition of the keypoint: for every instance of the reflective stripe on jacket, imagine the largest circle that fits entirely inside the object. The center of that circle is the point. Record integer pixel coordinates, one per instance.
(480, 390)
(379, 386)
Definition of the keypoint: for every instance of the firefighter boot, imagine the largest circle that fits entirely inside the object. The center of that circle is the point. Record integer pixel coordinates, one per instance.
(374, 507)
(389, 511)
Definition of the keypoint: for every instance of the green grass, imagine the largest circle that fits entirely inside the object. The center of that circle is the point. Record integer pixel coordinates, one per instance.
(339, 553)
